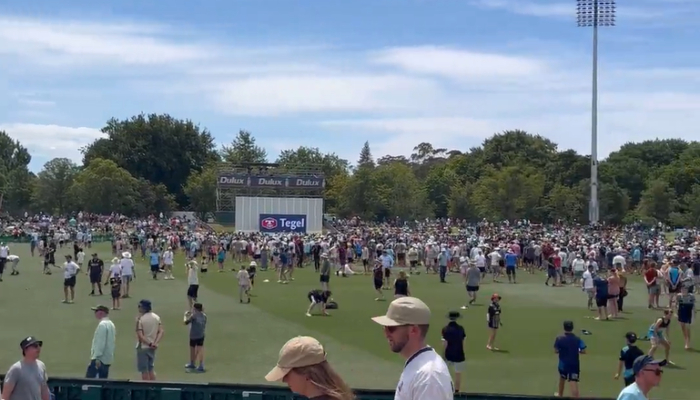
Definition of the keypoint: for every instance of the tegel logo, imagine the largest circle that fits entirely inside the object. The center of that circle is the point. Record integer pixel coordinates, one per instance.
(283, 223)
(232, 180)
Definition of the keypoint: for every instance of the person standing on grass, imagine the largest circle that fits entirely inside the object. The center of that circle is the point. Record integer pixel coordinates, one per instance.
(243, 285)
(658, 335)
(511, 261)
(149, 333)
(601, 297)
(569, 347)
(587, 284)
(197, 320)
(128, 273)
(27, 378)
(651, 278)
(325, 272)
(472, 279)
(647, 375)
(493, 320)
(70, 273)
(95, 270)
(453, 336)
(378, 280)
(154, 260)
(302, 365)
(686, 313)
(168, 258)
(401, 288)
(425, 374)
(192, 271)
(103, 345)
(4, 253)
(628, 355)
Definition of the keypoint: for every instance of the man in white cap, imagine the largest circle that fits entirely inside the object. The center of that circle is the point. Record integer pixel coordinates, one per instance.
(425, 374)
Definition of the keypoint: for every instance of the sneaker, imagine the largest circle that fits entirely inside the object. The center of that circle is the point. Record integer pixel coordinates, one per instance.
(200, 368)
(189, 366)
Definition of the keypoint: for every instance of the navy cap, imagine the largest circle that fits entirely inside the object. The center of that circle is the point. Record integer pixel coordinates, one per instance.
(641, 362)
(146, 305)
(30, 341)
(631, 337)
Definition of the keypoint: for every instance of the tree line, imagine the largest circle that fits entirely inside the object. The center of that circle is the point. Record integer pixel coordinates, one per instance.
(157, 163)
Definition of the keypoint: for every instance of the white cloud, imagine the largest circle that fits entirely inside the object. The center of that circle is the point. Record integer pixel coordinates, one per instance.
(393, 97)
(50, 141)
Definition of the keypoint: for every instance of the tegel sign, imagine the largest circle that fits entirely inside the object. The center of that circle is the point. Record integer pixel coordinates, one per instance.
(305, 183)
(233, 180)
(268, 181)
(283, 223)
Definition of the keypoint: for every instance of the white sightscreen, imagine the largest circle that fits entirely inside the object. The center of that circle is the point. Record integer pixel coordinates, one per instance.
(248, 210)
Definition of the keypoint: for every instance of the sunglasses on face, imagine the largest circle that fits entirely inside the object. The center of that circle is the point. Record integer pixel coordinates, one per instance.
(392, 329)
(657, 372)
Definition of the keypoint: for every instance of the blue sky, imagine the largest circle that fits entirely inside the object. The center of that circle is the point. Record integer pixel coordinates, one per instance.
(333, 74)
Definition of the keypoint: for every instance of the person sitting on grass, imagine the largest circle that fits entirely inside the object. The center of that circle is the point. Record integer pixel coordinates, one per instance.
(318, 298)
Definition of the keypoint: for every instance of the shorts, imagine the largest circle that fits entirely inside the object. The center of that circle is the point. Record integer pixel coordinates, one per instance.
(501, 263)
(127, 278)
(482, 270)
(653, 289)
(601, 301)
(578, 274)
(155, 267)
(674, 289)
(510, 270)
(456, 366)
(551, 273)
(571, 375)
(685, 318)
(197, 342)
(613, 296)
(378, 284)
(95, 278)
(116, 293)
(414, 263)
(69, 282)
(472, 288)
(256, 257)
(145, 359)
(387, 272)
(193, 291)
(528, 260)
(655, 338)
(492, 324)
(324, 278)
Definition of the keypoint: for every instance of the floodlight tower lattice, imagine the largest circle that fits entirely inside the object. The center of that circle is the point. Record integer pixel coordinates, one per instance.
(595, 14)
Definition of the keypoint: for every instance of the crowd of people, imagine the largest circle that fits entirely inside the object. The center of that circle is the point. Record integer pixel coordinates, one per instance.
(598, 259)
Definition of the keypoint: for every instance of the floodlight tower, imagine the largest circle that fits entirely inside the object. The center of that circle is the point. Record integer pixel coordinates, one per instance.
(595, 13)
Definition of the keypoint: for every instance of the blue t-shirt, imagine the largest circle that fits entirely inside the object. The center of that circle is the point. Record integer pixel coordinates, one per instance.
(511, 260)
(674, 275)
(569, 347)
(601, 287)
(155, 259)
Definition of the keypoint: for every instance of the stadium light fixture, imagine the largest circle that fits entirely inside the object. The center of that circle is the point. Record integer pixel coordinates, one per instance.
(594, 14)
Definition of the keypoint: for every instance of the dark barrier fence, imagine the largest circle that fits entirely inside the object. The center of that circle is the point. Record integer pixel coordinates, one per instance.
(91, 389)
(27, 239)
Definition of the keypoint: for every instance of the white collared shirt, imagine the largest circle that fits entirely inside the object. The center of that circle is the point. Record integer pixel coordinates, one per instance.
(425, 376)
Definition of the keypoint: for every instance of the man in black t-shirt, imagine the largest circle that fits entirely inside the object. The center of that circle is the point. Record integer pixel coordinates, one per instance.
(95, 269)
(628, 354)
(49, 257)
(453, 336)
(318, 298)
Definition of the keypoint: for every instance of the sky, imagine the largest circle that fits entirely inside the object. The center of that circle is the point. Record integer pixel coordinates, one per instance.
(333, 74)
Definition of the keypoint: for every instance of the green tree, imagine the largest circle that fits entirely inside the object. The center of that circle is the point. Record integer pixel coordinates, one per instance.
(243, 150)
(103, 187)
(52, 192)
(15, 178)
(157, 148)
(201, 190)
(399, 192)
(510, 193)
(658, 201)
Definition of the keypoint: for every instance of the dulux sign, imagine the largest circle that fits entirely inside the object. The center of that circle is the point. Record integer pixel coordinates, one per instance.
(282, 223)
(233, 180)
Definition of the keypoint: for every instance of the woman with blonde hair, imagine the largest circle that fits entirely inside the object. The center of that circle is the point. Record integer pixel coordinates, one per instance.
(302, 365)
(401, 286)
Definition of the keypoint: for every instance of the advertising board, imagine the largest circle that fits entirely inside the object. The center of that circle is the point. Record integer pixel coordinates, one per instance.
(290, 223)
(293, 182)
(252, 213)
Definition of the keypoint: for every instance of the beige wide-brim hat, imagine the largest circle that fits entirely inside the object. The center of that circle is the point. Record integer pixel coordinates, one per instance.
(405, 311)
(126, 254)
(301, 351)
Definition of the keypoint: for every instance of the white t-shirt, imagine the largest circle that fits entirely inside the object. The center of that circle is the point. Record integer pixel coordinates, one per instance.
(495, 257)
(425, 376)
(168, 257)
(115, 270)
(70, 269)
(578, 265)
(587, 280)
(243, 278)
(4, 251)
(127, 265)
(192, 276)
(619, 260)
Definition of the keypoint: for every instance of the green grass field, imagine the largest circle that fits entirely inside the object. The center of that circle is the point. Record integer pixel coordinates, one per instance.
(243, 340)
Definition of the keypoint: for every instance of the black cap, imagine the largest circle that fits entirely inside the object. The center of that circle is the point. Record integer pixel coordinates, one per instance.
(453, 315)
(568, 326)
(146, 305)
(101, 308)
(631, 337)
(30, 341)
(198, 306)
(94, 254)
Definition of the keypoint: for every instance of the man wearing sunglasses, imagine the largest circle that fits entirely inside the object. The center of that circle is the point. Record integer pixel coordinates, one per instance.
(425, 374)
(27, 378)
(647, 375)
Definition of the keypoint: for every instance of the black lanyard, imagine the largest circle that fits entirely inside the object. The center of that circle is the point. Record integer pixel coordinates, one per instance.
(416, 354)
